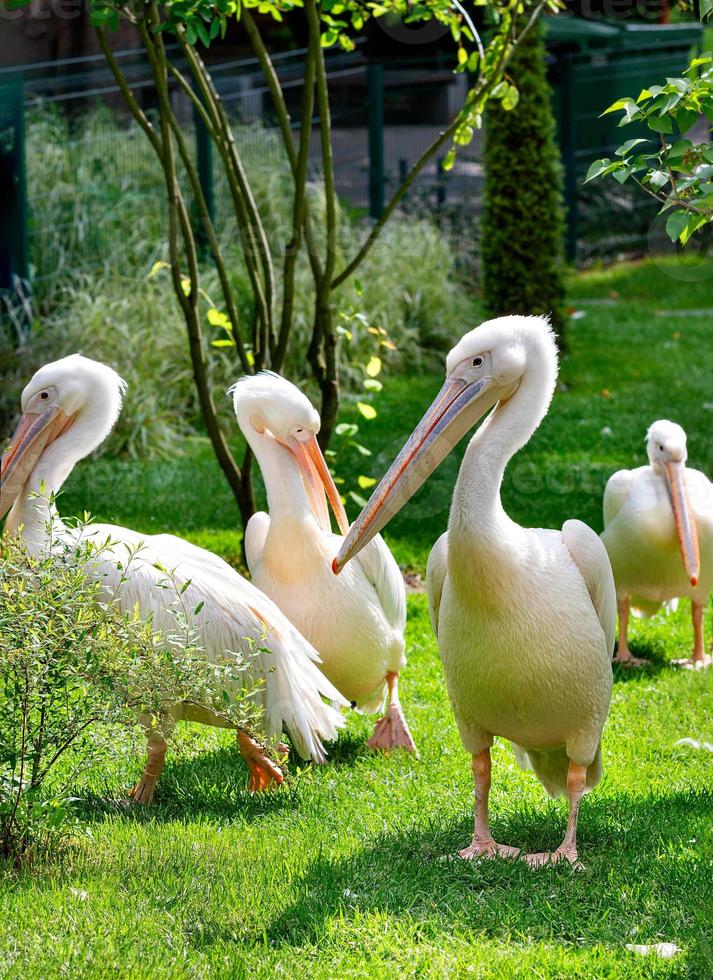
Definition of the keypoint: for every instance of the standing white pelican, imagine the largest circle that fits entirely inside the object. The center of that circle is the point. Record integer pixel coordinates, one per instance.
(524, 617)
(356, 623)
(658, 531)
(68, 409)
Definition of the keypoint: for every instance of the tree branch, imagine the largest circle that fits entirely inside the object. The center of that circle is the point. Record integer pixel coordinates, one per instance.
(212, 237)
(241, 189)
(298, 164)
(178, 218)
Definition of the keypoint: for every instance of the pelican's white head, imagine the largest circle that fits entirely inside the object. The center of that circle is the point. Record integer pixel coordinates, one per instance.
(667, 452)
(274, 415)
(269, 402)
(665, 443)
(484, 369)
(68, 409)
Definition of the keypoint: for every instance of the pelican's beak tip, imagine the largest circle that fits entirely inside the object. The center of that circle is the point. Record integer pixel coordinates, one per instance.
(694, 580)
(336, 567)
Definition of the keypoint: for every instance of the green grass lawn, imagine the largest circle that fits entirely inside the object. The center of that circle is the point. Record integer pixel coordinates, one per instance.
(342, 873)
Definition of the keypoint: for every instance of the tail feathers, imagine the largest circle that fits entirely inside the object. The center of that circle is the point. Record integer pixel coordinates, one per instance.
(551, 768)
(294, 689)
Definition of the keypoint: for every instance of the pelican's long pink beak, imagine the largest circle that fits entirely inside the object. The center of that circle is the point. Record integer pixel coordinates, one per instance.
(686, 529)
(319, 482)
(32, 436)
(441, 428)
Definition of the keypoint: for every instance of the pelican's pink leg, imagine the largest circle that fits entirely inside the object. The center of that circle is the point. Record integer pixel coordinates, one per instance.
(264, 773)
(576, 781)
(392, 731)
(483, 845)
(156, 756)
(700, 658)
(623, 653)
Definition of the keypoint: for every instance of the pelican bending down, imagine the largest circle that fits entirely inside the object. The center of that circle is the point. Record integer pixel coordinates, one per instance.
(68, 409)
(658, 531)
(525, 618)
(356, 623)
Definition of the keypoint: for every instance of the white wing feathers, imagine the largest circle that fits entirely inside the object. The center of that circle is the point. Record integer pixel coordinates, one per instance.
(234, 617)
(616, 493)
(381, 569)
(255, 538)
(435, 577)
(591, 558)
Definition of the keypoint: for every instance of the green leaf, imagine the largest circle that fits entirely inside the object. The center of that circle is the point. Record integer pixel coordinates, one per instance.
(675, 224)
(373, 368)
(685, 118)
(628, 146)
(371, 384)
(362, 450)
(511, 98)
(368, 411)
(158, 267)
(216, 318)
(365, 482)
(346, 429)
(622, 174)
(448, 160)
(695, 222)
(222, 343)
(597, 168)
(657, 179)
(619, 104)
(659, 124)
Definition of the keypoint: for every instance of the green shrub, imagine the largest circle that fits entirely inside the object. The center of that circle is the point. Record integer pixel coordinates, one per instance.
(522, 232)
(73, 668)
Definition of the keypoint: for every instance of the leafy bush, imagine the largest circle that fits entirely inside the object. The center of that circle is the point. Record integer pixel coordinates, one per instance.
(73, 668)
(522, 232)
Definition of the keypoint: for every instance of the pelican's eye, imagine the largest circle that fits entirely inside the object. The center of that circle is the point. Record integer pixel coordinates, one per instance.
(661, 448)
(45, 395)
(478, 361)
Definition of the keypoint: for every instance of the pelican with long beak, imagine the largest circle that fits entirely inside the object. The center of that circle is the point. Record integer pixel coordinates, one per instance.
(68, 409)
(658, 531)
(356, 623)
(524, 618)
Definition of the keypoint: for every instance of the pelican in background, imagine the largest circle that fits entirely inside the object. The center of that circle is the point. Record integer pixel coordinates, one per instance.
(658, 531)
(68, 409)
(355, 623)
(525, 618)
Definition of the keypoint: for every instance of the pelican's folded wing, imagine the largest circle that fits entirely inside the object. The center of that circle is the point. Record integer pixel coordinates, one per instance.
(435, 577)
(380, 568)
(591, 558)
(255, 537)
(616, 494)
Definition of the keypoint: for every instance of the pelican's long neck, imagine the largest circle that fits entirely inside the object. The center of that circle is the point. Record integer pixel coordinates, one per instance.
(286, 494)
(476, 510)
(34, 513)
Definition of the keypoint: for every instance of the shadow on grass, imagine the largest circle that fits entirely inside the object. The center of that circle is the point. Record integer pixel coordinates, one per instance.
(211, 785)
(633, 849)
(653, 650)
